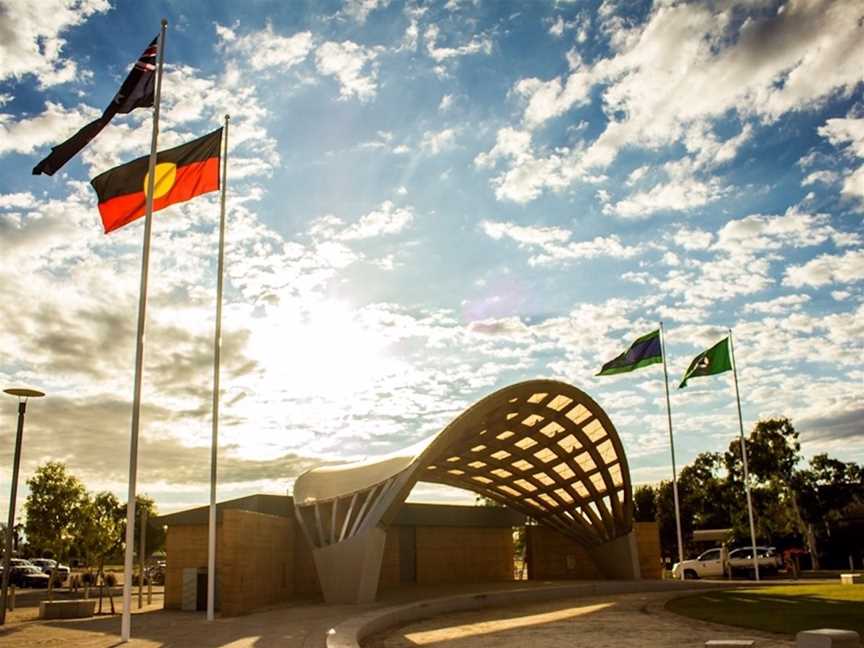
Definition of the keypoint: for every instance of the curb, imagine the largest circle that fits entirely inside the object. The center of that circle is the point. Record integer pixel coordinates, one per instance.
(351, 632)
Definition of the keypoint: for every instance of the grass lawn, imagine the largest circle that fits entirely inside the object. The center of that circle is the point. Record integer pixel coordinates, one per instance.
(785, 609)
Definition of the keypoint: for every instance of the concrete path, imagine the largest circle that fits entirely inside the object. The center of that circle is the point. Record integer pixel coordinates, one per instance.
(619, 621)
(297, 626)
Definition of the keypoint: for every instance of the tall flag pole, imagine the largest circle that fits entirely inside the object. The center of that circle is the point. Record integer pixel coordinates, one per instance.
(672, 448)
(217, 348)
(744, 457)
(126, 622)
(645, 351)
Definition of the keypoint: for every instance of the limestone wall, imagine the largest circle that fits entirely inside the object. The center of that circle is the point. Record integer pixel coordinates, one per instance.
(257, 566)
(554, 556)
(463, 555)
(254, 560)
(648, 541)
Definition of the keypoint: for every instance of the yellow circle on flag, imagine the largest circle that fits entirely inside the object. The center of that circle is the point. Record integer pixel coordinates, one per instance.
(166, 174)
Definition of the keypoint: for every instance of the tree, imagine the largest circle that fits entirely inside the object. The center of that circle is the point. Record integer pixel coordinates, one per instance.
(645, 504)
(98, 531)
(53, 509)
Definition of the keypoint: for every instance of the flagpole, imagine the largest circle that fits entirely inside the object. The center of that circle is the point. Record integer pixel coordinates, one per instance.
(672, 447)
(126, 620)
(744, 457)
(217, 349)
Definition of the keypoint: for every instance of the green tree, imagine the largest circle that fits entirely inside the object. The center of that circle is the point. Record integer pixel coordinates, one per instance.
(645, 503)
(53, 509)
(98, 532)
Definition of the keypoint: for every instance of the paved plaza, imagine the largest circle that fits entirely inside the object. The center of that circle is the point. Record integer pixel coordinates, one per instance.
(597, 621)
(617, 621)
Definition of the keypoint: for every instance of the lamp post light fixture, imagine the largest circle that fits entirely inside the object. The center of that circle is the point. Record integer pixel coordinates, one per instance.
(22, 394)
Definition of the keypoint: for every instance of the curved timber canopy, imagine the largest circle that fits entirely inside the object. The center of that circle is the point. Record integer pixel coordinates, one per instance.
(542, 447)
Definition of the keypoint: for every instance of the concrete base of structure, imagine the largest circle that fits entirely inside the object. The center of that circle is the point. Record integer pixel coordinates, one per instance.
(69, 609)
(349, 570)
(618, 559)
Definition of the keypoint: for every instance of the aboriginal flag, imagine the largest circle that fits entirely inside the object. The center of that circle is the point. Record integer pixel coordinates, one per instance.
(182, 173)
(136, 92)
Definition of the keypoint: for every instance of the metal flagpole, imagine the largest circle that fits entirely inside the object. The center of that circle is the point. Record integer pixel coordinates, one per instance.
(126, 622)
(744, 457)
(672, 448)
(217, 347)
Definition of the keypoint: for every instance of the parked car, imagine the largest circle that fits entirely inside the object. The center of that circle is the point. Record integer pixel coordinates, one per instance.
(709, 564)
(741, 560)
(61, 573)
(27, 576)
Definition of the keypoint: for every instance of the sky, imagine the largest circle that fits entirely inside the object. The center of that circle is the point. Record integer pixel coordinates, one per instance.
(428, 202)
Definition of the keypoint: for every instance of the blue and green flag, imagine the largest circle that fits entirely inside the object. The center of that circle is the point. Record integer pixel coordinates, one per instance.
(643, 352)
(713, 361)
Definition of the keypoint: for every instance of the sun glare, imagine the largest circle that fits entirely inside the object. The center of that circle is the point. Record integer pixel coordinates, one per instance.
(322, 351)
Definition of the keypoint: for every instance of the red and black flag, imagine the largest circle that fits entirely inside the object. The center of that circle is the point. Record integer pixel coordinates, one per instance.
(136, 92)
(181, 173)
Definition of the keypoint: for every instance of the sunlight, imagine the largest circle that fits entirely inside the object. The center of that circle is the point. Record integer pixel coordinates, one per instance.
(322, 351)
(499, 625)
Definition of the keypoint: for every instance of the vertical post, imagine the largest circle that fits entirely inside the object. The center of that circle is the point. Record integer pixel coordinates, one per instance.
(10, 524)
(744, 457)
(126, 621)
(217, 348)
(142, 548)
(672, 448)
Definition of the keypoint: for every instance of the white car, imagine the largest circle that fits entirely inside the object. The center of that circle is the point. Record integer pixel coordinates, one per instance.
(46, 565)
(708, 565)
(741, 560)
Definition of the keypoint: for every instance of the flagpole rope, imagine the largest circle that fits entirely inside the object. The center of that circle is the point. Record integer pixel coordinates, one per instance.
(217, 353)
(672, 448)
(126, 621)
(744, 456)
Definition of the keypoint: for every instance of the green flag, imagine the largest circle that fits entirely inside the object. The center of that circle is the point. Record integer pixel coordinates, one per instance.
(643, 352)
(713, 361)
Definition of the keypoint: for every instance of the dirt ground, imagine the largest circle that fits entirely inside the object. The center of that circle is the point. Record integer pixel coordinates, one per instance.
(620, 621)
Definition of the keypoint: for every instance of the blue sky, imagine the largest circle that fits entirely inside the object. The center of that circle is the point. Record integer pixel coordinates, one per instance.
(430, 201)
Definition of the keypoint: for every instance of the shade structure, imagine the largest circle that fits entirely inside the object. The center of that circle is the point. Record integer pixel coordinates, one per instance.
(541, 447)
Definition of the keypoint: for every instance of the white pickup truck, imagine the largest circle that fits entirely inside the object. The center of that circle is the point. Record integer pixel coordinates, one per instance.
(710, 564)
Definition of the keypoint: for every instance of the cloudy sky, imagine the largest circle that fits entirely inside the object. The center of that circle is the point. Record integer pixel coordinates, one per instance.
(429, 201)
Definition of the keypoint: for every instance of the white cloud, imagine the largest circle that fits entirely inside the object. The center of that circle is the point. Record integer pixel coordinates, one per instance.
(31, 42)
(434, 142)
(17, 201)
(848, 133)
(388, 219)
(779, 305)
(481, 45)
(446, 103)
(794, 228)
(693, 239)
(672, 78)
(827, 269)
(555, 245)
(52, 126)
(265, 49)
(346, 61)
(359, 10)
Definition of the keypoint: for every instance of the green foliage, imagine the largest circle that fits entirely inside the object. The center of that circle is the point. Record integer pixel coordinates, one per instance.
(62, 515)
(801, 507)
(53, 509)
(645, 504)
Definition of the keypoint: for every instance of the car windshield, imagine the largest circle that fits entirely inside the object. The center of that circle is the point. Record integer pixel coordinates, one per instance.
(711, 554)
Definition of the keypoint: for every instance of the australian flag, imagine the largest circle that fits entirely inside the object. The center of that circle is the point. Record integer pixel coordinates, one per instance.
(137, 91)
(643, 352)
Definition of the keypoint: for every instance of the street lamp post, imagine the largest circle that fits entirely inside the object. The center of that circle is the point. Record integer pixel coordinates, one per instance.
(22, 395)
